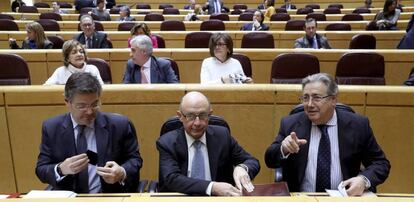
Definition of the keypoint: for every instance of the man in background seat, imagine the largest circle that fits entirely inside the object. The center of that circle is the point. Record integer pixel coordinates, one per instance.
(312, 39)
(89, 37)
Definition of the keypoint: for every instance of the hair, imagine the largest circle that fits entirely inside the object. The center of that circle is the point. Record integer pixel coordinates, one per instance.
(261, 16)
(197, 9)
(215, 37)
(310, 20)
(86, 16)
(81, 83)
(125, 9)
(270, 3)
(40, 36)
(387, 4)
(142, 26)
(368, 2)
(325, 79)
(143, 42)
(99, 1)
(67, 48)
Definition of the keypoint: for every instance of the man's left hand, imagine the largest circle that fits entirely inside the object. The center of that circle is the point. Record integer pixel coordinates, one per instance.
(111, 172)
(242, 179)
(356, 186)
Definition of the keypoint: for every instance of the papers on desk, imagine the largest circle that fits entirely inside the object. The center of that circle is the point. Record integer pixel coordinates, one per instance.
(50, 194)
(341, 192)
(2, 196)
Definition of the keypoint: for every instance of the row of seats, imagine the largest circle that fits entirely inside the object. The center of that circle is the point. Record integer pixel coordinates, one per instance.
(287, 68)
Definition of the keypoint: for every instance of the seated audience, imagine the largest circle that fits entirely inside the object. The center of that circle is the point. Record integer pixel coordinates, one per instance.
(36, 38)
(257, 24)
(79, 4)
(399, 5)
(85, 150)
(262, 6)
(100, 11)
(89, 37)
(145, 68)
(388, 17)
(56, 8)
(312, 39)
(142, 29)
(191, 5)
(203, 159)
(407, 42)
(17, 4)
(215, 7)
(221, 67)
(321, 147)
(270, 10)
(125, 14)
(288, 5)
(74, 60)
(193, 15)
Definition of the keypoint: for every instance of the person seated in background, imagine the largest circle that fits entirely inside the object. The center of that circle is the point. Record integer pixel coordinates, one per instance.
(89, 37)
(110, 4)
(321, 147)
(368, 4)
(85, 150)
(399, 5)
(387, 18)
(215, 7)
(35, 39)
(221, 67)
(142, 29)
(193, 15)
(288, 5)
(145, 68)
(56, 8)
(17, 4)
(407, 42)
(100, 11)
(125, 14)
(79, 4)
(270, 10)
(257, 24)
(311, 38)
(203, 159)
(191, 5)
(74, 60)
(262, 6)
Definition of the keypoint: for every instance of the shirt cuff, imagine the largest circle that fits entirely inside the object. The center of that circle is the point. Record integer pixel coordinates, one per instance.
(122, 182)
(366, 181)
(57, 176)
(209, 188)
(283, 155)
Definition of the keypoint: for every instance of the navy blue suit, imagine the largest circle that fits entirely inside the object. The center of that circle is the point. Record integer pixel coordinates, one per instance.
(357, 145)
(407, 42)
(79, 4)
(116, 140)
(161, 72)
(249, 26)
(223, 151)
(99, 40)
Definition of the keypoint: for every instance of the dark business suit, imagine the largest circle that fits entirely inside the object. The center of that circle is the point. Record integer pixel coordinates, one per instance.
(223, 151)
(99, 39)
(357, 145)
(211, 8)
(291, 6)
(407, 42)
(303, 42)
(161, 72)
(79, 4)
(115, 141)
(249, 26)
(126, 19)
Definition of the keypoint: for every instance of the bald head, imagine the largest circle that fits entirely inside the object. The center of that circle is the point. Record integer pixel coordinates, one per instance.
(194, 99)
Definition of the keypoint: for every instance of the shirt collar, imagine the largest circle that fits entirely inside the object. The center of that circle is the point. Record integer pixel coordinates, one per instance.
(75, 124)
(147, 64)
(190, 139)
(332, 122)
(73, 69)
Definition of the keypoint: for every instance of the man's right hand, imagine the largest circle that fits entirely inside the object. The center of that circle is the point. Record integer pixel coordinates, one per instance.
(74, 164)
(291, 144)
(224, 189)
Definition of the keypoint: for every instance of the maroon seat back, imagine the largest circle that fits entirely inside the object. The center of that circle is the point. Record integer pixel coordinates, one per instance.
(245, 63)
(246, 17)
(126, 26)
(313, 6)
(304, 11)
(293, 67)
(154, 17)
(280, 17)
(6, 16)
(352, 17)
(160, 41)
(175, 67)
(363, 41)
(49, 24)
(162, 6)
(8, 25)
(212, 25)
(240, 6)
(332, 10)
(340, 6)
(281, 10)
(103, 67)
(316, 16)
(13, 70)
(295, 25)
(361, 10)
(53, 16)
(172, 25)
(221, 16)
(360, 69)
(143, 6)
(41, 5)
(171, 11)
(257, 40)
(65, 5)
(57, 41)
(197, 39)
(338, 27)
(28, 9)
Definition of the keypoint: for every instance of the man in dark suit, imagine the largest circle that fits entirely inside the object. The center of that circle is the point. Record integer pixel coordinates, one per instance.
(199, 159)
(288, 5)
(89, 37)
(142, 62)
(214, 7)
(320, 147)
(257, 24)
(311, 38)
(85, 150)
(79, 4)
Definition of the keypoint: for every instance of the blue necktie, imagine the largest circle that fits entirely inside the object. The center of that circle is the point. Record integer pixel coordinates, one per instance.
(197, 166)
(216, 6)
(323, 171)
(315, 43)
(82, 147)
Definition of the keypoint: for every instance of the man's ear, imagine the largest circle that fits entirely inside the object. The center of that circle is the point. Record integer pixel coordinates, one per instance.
(180, 115)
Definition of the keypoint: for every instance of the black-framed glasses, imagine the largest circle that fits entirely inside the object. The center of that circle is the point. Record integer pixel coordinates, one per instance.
(192, 117)
(313, 98)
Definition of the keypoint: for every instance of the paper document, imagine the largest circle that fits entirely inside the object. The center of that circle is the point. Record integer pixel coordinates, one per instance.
(50, 194)
(341, 192)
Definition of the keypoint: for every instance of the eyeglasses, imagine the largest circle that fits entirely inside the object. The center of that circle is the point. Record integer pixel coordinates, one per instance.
(192, 117)
(85, 107)
(87, 25)
(314, 98)
(221, 44)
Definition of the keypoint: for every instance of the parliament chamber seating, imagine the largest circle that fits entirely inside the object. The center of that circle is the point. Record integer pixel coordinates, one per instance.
(103, 67)
(197, 39)
(280, 17)
(163, 6)
(220, 16)
(304, 11)
(332, 10)
(245, 17)
(154, 17)
(28, 9)
(245, 63)
(41, 5)
(143, 6)
(313, 6)
(13, 70)
(363, 41)
(212, 25)
(338, 27)
(57, 41)
(49, 24)
(281, 10)
(295, 25)
(172, 25)
(291, 68)
(317, 16)
(6, 16)
(8, 25)
(53, 16)
(352, 17)
(170, 11)
(257, 40)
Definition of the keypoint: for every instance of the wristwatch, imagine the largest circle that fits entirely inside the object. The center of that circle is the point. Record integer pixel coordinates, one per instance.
(59, 171)
(366, 182)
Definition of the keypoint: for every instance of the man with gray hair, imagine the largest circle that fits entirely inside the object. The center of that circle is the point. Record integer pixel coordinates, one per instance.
(89, 37)
(145, 68)
(323, 147)
(85, 150)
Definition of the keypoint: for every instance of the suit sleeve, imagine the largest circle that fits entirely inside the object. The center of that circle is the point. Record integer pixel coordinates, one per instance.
(298, 43)
(128, 73)
(273, 155)
(240, 156)
(104, 42)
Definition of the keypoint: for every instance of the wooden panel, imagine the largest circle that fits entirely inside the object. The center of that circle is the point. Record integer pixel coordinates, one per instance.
(7, 182)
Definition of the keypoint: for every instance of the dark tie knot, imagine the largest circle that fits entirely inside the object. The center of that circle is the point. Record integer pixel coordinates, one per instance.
(197, 144)
(323, 128)
(80, 129)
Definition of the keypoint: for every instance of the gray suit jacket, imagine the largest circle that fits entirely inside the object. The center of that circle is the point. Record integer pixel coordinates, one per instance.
(99, 39)
(161, 72)
(210, 7)
(303, 42)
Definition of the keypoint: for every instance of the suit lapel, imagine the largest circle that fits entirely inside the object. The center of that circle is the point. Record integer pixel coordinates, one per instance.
(68, 135)
(102, 137)
(213, 155)
(95, 40)
(154, 70)
(182, 151)
(344, 138)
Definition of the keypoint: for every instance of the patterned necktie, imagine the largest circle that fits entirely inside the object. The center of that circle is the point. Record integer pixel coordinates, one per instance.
(144, 79)
(89, 42)
(315, 43)
(323, 171)
(197, 166)
(217, 6)
(82, 147)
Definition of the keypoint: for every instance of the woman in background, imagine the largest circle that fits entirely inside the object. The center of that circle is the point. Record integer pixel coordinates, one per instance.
(270, 10)
(36, 38)
(388, 17)
(142, 28)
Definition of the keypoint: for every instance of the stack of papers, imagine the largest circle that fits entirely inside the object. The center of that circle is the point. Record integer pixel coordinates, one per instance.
(50, 194)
